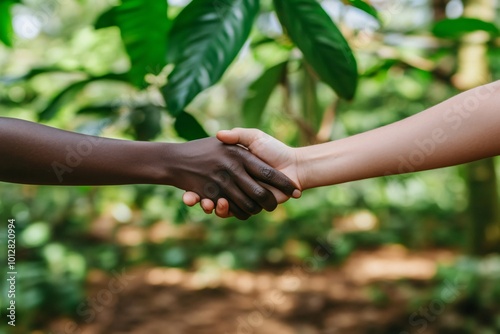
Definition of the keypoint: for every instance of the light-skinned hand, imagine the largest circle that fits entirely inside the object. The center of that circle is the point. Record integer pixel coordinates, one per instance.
(266, 148)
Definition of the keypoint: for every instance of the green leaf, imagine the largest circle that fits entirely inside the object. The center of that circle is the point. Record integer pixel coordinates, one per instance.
(187, 127)
(31, 74)
(260, 92)
(99, 110)
(366, 7)
(262, 41)
(143, 25)
(68, 93)
(205, 38)
(321, 42)
(383, 66)
(6, 30)
(456, 28)
(311, 109)
(106, 19)
(60, 99)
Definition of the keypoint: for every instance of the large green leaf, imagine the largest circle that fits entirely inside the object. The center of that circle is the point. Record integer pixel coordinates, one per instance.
(6, 30)
(456, 28)
(143, 25)
(188, 127)
(68, 93)
(260, 92)
(321, 42)
(205, 38)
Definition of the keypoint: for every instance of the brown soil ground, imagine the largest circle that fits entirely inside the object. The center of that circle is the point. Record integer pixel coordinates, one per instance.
(370, 293)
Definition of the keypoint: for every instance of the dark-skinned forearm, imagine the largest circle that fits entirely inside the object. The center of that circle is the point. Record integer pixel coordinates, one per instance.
(36, 154)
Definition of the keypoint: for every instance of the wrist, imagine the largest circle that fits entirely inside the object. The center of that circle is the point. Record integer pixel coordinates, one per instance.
(302, 167)
(149, 160)
(321, 165)
(169, 157)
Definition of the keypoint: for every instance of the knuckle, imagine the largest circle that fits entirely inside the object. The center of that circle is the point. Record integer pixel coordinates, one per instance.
(211, 190)
(228, 167)
(267, 173)
(233, 150)
(224, 177)
(260, 194)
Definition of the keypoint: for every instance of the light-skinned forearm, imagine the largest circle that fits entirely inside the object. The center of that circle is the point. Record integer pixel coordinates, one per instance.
(461, 129)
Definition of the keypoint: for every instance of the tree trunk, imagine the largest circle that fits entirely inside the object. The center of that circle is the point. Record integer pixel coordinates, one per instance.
(483, 207)
(473, 70)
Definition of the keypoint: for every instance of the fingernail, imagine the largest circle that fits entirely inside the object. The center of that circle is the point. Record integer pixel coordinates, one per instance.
(297, 193)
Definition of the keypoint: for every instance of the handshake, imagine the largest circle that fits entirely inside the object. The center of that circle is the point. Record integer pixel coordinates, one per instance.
(251, 171)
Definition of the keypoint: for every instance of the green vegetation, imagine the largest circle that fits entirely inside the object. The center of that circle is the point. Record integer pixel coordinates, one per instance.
(156, 70)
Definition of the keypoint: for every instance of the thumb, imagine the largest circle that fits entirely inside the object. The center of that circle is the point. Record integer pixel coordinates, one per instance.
(245, 137)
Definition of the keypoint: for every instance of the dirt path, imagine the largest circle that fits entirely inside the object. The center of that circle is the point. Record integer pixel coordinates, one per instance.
(368, 294)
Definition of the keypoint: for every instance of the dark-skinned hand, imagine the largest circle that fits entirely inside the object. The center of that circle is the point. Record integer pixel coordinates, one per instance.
(215, 170)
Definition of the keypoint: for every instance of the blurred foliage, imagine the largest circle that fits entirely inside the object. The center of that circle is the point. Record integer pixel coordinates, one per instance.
(143, 70)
